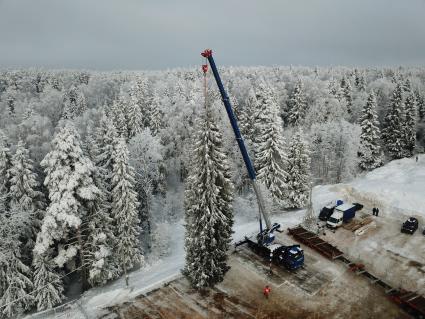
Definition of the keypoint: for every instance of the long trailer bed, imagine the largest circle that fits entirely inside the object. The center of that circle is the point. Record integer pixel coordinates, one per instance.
(411, 302)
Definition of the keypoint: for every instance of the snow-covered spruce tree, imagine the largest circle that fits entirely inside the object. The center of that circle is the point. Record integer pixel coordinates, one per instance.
(106, 137)
(393, 131)
(100, 241)
(359, 80)
(420, 103)
(297, 105)
(346, 93)
(5, 164)
(134, 116)
(270, 158)
(154, 114)
(208, 208)
(117, 113)
(407, 86)
(48, 286)
(139, 92)
(298, 169)
(334, 88)
(15, 276)
(410, 123)
(370, 150)
(10, 96)
(246, 118)
(69, 180)
(25, 197)
(74, 104)
(261, 115)
(124, 209)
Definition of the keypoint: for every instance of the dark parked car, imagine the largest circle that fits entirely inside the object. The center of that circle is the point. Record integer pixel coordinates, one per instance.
(358, 206)
(326, 212)
(410, 226)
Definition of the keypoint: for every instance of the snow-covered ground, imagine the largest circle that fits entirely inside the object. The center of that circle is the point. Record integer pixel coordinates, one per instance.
(397, 189)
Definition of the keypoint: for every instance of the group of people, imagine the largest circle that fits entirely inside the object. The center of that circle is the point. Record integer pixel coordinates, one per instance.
(375, 211)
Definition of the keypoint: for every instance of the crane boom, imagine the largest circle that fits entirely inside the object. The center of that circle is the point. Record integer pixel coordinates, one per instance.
(250, 168)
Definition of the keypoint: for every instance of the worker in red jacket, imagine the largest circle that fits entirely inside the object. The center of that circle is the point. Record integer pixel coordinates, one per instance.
(266, 291)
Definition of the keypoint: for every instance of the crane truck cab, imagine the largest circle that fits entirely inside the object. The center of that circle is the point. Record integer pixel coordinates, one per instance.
(290, 257)
(342, 214)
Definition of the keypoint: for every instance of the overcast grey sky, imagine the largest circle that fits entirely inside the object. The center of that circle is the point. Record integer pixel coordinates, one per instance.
(160, 34)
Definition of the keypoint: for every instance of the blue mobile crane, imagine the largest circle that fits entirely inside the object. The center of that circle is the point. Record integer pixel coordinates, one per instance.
(291, 257)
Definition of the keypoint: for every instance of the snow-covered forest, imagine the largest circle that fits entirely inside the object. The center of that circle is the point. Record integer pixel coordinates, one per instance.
(94, 165)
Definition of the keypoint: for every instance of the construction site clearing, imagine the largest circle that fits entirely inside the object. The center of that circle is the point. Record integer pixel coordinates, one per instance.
(323, 288)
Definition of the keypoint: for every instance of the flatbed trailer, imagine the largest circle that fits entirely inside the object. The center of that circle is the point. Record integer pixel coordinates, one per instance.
(313, 241)
(411, 302)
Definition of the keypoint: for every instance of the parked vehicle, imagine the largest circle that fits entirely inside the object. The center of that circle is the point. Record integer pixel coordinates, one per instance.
(327, 211)
(410, 226)
(342, 214)
(423, 233)
(290, 257)
(358, 206)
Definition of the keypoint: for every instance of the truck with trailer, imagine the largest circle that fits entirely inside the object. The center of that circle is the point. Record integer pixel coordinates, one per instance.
(342, 214)
(291, 257)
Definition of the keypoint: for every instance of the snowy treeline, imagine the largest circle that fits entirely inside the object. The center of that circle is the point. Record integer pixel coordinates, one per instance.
(92, 164)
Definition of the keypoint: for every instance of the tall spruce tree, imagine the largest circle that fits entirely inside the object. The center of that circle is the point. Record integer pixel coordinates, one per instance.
(69, 180)
(140, 93)
(247, 116)
(15, 277)
(74, 104)
(410, 123)
(297, 105)
(25, 197)
(420, 103)
(208, 215)
(101, 240)
(298, 181)
(370, 150)
(261, 115)
(117, 114)
(270, 159)
(359, 80)
(154, 116)
(124, 209)
(393, 132)
(5, 165)
(106, 137)
(346, 93)
(134, 117)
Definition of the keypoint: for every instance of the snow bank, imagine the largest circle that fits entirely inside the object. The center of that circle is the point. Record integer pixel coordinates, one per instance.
(398, 189)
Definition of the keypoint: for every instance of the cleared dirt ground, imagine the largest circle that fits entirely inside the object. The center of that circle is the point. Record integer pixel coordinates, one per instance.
(323, 289)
